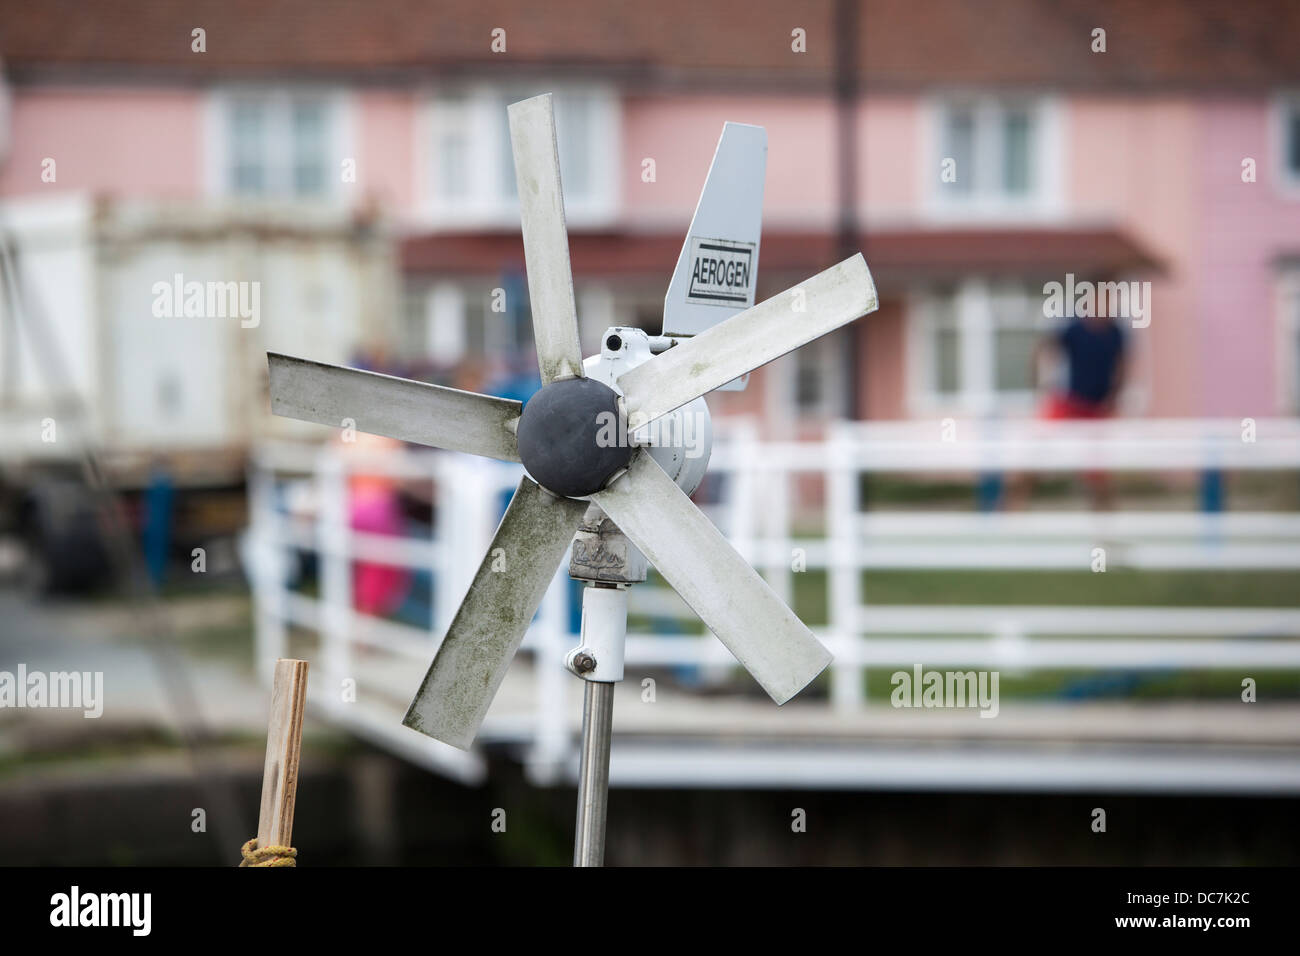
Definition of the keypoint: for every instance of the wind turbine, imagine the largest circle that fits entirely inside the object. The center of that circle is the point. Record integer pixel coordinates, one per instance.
(582, 470)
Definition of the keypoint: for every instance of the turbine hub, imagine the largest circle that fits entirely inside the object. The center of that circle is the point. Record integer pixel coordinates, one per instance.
(571, 438)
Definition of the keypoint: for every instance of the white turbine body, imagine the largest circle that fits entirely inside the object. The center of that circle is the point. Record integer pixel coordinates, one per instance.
(679, 442)
(642, 480)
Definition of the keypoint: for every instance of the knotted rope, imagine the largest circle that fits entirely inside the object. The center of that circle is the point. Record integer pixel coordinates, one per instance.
(267, 856)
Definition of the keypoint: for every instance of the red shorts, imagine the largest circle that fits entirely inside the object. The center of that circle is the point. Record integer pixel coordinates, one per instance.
(1062, 405)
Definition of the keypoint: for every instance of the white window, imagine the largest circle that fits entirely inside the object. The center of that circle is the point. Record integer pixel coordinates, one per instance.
(277, 143)
(449, 322)
(818, 376)
(993, 157)
(468, 174)
(1018, 325)
(971, 347)
(1287, 124)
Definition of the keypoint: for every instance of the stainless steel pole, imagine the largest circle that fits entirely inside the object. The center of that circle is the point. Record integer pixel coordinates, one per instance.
(593, 777)
(598, 660)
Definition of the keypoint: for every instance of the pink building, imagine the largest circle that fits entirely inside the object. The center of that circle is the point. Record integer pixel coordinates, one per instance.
(973, 155)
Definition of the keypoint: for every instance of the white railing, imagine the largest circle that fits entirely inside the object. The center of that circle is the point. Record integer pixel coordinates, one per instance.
(299, 503)
(876, 636)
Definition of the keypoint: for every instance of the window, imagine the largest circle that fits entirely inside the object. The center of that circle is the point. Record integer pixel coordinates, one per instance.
(277, 143)
(1293, 141)
(817, 376)
(449, 322)
(971, 346)
(470, 172)
(1288, 138)
(247, 148)
(946, 373)
(1017, 150)
(807, 382)
(959, 146)
(451, 149)
(310, 147)
(1018, 324)
(994, 156)
(417, 332)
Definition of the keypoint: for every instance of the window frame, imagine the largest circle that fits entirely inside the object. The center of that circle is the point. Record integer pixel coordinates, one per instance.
(488, 206)
(826, 355)
(1044, 201)
(977, 328)
(279, 98)
(1038, 324)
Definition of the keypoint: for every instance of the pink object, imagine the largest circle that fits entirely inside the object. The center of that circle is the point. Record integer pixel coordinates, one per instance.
(377, 588)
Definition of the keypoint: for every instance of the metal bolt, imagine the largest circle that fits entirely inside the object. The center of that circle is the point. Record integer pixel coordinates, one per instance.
(583, 662)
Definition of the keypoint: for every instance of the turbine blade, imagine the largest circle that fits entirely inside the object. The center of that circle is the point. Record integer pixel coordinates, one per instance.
(729, 596)
(490, 623)
(546, 239)
(396, 407)
(744, 342)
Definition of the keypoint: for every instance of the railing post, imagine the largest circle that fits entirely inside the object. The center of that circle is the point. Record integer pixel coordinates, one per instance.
(740, 518)
(266, 565)
(740, 514)
(777, 528)
(551, 741)
(848, 692)
(450, 500)
(1212, 491)
(334, 560)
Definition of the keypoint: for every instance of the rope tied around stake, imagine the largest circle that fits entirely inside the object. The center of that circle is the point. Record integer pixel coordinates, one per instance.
(280, 772)
(267, 856)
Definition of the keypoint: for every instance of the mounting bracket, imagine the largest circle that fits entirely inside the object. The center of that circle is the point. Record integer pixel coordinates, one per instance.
(609, 564)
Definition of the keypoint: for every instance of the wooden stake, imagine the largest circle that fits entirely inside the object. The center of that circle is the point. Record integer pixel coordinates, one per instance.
(283, 747)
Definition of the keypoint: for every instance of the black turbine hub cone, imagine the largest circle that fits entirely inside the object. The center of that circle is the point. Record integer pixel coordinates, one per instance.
(569, 437)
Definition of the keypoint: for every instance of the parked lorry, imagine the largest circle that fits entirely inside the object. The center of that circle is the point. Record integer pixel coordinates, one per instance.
(138, 329)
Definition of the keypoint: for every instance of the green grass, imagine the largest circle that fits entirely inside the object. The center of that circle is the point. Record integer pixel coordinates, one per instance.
(1246, 490)
(1115, 588)
(1119, 685)
(124, 744)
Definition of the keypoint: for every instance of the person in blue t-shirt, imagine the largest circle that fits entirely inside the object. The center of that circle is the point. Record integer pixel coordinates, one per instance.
(1095, 357)
(1095, 354)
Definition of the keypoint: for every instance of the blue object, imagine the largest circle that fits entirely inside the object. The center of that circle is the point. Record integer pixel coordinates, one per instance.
(159, 499)
(1107, 684)
(988, 491)
(1092, 351)
(1212, 490)
(519, 386)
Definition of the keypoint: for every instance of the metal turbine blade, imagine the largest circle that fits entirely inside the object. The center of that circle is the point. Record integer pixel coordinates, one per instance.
(744, 342)
(729, 596)
(485, 633)
(396, 407)
(546, 240)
